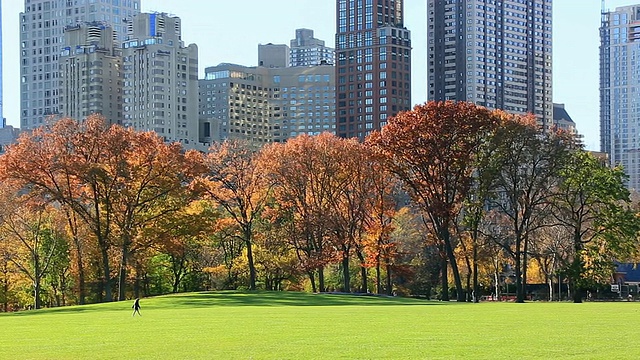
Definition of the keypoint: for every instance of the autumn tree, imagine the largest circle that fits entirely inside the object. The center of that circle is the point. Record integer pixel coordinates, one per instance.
(305, 172)
(182, 236)
(432, 150)
(153, 181)
(352, 207)
(34, 236)
(416, 266)
(66, 162)
(114, 180)
(383, 196)
(235, 181)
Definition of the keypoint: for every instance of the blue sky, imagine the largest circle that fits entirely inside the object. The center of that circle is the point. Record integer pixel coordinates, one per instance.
(230, 31)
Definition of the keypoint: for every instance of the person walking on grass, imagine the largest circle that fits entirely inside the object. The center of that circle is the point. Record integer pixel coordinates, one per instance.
(136, 307)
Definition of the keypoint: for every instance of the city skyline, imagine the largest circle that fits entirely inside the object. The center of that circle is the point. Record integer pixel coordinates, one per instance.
(575, 37)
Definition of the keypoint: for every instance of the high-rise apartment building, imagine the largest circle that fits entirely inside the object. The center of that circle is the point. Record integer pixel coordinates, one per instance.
(90, 65)
(493, 53)
(41, 40)
(373, 68)
(307, 50)
(160, 86)
(619, 84)
(263, 105)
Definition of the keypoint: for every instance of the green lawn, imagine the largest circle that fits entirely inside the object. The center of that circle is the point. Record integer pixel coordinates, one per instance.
(268, 325)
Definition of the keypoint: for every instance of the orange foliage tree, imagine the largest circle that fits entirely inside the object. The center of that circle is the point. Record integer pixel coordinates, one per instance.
(432, 151)
(303, 171)
(236, 182)
(114, 180)
(325, 186)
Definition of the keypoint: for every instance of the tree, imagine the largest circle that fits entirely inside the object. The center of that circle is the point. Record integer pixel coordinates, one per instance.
(592, 204)
(383, 197)
(308, 174)
(528, 163)
(352, 207)
(432, 150)
(153, 180)
(33, 235)
(68, 162)
(236, 182)
(182, 235)
(114, 180)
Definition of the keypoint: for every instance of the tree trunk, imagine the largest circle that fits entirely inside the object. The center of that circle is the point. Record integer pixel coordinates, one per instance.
(252, 267)
(36, 280)
(107, 274)
(36, 293)
(518, 256)
(378, 276)
(77, 243)
(445, 277)
(345, 272)
(476, 287)
(321, 279)
(81, 282)
(525, 267)
(5, 287)
(573, 281)
(389, 285)
(122, 276)
(136, 286)
(312, 279)
(576, 268)
(454, 266)
(363, 273)
(469, 293)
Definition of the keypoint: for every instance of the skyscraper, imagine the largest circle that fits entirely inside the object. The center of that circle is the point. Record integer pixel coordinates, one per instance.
(373, 69)
(493, 53)
(619, 84)
(41, 40)
(307, 50)
(160, 87)
(90, 66)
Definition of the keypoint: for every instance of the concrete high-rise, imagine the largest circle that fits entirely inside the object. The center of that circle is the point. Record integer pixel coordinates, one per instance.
(160, 86)
(493, 53)
(307, 50)
(619, 84)
(41, 40)
(90, 65)
(373, 65)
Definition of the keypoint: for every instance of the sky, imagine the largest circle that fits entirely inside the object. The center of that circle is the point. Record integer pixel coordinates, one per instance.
(230, 31)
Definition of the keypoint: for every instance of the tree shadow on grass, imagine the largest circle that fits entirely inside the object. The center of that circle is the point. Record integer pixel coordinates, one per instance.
(267, 298)
(238, 298)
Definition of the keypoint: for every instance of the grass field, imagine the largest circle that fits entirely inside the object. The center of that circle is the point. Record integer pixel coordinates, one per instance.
(270, 325)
